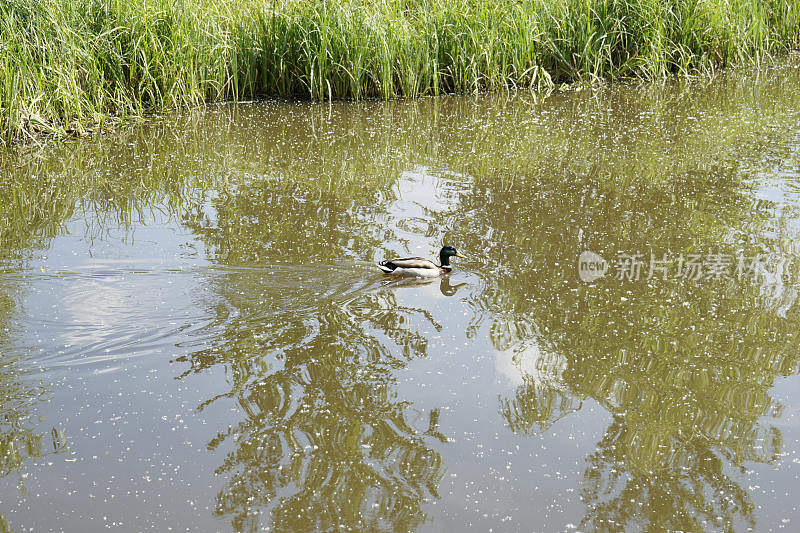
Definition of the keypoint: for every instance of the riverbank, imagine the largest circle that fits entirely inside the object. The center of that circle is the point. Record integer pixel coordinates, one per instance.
(68, 66)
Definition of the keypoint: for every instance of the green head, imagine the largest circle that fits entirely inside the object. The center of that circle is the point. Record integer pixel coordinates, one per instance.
(446, 253)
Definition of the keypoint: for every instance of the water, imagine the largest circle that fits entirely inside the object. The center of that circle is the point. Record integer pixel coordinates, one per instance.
(194, 335)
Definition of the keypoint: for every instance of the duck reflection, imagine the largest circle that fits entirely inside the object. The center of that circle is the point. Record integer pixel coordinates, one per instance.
(446, 287)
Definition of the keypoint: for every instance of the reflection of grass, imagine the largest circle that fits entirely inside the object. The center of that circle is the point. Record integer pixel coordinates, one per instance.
(684, 367)
(67, 64)
(324, 442)
(19, 438)
(175, 168)
(4, 527)
(352, 156)
(688, 497)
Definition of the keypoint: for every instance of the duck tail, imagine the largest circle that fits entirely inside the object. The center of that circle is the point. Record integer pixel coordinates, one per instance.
(386, 266)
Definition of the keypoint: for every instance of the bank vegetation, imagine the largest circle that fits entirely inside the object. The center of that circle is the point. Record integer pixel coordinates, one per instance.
(68, 66)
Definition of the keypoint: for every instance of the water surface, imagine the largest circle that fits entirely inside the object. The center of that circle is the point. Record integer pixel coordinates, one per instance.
(194, 337)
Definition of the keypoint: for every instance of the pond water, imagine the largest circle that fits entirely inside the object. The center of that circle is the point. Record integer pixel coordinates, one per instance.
(194, 335)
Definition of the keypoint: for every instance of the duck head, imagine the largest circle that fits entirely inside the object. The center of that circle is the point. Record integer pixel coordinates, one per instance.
(446, 253)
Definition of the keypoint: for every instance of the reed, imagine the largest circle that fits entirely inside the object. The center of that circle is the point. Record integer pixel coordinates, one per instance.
(66, 66)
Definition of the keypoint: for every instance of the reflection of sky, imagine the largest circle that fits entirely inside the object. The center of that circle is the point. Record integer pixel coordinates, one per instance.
(96, 293)
(532, 364)
(156, 241)
(780, 185)
(93, 308)
(422, 195)
(102, 318)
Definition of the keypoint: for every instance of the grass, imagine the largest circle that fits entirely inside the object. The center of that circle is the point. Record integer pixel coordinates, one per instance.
(68, 65)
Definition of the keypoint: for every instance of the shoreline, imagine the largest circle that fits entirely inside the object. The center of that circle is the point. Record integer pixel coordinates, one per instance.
(68, 67)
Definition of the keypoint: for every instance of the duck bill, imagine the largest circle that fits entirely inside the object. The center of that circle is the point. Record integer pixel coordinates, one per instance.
(461, 256)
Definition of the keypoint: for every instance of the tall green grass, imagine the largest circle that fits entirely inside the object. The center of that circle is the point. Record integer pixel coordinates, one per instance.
(67, 65)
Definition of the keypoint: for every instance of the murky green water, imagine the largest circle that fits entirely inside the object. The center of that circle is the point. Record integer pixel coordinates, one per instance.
(194, 337)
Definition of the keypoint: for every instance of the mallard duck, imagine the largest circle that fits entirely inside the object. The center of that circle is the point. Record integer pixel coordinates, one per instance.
(419, 266)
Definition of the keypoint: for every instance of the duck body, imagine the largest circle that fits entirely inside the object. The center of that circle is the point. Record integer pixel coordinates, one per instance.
(419, 266)
(412, 266)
